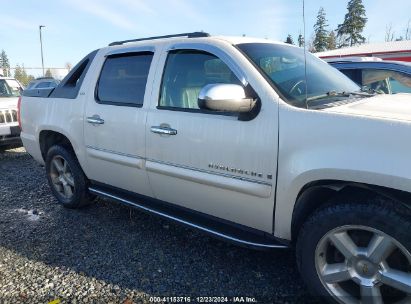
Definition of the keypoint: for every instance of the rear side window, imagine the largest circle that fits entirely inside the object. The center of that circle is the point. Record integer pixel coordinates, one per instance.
(123, 79)
(44, 85)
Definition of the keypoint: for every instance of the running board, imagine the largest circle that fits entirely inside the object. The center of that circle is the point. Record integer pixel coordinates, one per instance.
(247, 237)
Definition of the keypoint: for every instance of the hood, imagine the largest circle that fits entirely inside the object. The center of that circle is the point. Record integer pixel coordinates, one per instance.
(393, 107)
(8, 102)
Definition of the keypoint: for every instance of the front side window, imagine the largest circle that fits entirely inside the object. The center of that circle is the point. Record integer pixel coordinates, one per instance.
(386, 81)
(9, 88)
(123, 79)
(186, 73)
(302, 79)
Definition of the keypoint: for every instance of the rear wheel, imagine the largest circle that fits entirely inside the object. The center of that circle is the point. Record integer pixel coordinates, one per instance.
(357, 253)
(66, 178)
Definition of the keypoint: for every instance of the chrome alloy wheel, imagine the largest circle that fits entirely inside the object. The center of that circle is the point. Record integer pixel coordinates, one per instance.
(62, 177)
(359, 264)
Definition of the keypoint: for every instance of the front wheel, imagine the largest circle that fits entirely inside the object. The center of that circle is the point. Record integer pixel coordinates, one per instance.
(357, 253)
(66, 178)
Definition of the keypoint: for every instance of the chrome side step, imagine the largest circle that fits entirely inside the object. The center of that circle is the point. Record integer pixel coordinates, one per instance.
(267, 244)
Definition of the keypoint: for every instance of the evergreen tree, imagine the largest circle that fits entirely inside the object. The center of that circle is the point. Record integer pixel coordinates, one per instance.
(320, 42)
(289, 39)
(30, 78)
(354, 22)
(300, 40)
(18, 73)
(4, 63)
(48, 73)
(21, 75)
(331, 42)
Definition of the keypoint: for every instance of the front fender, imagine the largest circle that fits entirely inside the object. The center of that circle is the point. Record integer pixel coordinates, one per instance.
(330, 146)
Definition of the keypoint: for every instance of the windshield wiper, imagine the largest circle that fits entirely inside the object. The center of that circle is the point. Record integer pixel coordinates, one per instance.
(339, 94)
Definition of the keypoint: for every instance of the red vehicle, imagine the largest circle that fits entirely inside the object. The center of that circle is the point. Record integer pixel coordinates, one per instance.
(393, 50)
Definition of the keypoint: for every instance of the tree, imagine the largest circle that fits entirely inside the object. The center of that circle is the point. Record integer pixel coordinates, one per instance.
(300, 40)
(289, 39)
(4, 63)
(48, 73)
(18, 73)
(21, 75)
(320, 32)
(310, 44)
(331, 41)
(389, 33)
(408, 31)
(68, 66)
(29, 79)
(354, 22)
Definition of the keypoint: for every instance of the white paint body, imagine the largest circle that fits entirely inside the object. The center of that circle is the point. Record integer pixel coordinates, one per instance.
(365, 141)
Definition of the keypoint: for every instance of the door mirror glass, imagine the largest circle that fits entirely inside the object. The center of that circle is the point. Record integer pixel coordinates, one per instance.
(225, 98)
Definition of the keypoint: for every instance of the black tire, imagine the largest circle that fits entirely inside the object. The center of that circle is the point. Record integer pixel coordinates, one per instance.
(80, 195)
(382, 215)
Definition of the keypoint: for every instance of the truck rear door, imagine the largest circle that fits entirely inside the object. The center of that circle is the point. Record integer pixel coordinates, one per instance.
(115, 117)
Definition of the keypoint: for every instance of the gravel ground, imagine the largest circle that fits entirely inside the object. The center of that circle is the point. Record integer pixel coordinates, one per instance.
(109, 253)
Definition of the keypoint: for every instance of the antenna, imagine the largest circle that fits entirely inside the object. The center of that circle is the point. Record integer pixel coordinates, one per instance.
(305, 58)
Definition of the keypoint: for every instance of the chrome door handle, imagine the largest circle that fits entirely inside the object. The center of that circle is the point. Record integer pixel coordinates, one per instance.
(163, 130)
(95, 120)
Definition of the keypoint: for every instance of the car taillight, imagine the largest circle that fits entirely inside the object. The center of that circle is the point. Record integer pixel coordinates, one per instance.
(19, 111)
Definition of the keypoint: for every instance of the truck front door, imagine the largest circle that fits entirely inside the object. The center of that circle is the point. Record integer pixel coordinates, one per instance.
(208, 161)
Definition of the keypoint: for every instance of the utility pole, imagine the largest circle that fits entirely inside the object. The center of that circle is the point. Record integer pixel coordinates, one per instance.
(41, 47)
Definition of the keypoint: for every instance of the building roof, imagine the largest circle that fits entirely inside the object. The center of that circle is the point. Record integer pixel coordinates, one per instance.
(370, 48)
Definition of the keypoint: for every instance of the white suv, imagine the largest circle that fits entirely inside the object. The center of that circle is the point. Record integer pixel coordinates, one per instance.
(10, 90)
(249, 140)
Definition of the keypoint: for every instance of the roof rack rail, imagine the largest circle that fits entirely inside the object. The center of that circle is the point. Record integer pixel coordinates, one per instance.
(188, 35)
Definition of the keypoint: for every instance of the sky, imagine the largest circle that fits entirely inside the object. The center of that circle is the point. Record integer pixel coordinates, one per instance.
(76, 27)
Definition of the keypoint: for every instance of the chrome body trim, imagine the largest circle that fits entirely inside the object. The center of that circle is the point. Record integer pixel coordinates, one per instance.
(212, 180)
(211, 172)
(163, 130)
(225, 97)
(179, 220)
(8, 116)
(227, 175)
(117, 157)
(114, 152)
(95, 120)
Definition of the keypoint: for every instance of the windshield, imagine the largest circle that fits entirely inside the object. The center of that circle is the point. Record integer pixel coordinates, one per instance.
(9, 88)
(284, 66)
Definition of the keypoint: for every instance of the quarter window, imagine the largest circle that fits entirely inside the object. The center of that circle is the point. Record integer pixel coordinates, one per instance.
(123, 79)
(186, 73)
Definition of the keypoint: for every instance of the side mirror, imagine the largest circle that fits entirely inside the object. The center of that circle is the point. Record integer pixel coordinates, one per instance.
(225, 97)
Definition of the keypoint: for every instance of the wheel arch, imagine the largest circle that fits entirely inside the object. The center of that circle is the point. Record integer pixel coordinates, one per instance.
(319, 193)
(49, 138)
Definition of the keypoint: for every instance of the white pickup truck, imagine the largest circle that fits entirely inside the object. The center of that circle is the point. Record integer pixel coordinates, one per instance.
(10, 90)
(246, 139)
